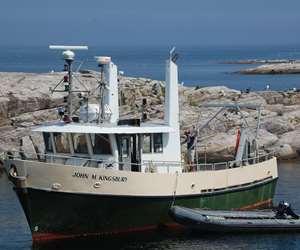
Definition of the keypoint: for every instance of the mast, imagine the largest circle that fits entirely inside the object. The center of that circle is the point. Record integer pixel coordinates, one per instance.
(68, 56)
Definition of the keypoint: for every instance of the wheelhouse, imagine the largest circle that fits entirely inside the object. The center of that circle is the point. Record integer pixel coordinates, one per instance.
(124, 147)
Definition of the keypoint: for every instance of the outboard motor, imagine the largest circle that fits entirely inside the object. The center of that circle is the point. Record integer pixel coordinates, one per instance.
(284, 209)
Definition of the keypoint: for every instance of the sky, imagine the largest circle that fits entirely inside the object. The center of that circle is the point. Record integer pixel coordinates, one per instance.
(155, 22)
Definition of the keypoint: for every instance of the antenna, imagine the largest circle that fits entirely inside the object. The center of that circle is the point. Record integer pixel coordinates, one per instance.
(68, 53)
(68, 56)
(172, 51)
(173, 56)
(64, 47)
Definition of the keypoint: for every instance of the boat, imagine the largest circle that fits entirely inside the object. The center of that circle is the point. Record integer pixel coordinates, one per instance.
(279, 220)
(101, 175)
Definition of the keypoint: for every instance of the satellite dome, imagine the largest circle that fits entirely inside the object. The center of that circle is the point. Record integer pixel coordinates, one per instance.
(68, 55)
(102, 60)
(89, 113)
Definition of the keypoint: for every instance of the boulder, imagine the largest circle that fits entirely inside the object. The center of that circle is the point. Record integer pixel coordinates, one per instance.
(278, 125)
(292, 138)
(266, 139)
(220, 146)
(286, 152)
(281, 97)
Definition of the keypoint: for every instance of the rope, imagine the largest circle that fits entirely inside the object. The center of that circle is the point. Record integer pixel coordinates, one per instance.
(175, 187)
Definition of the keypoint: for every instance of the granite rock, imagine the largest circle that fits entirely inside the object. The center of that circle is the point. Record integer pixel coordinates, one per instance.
(25, 101)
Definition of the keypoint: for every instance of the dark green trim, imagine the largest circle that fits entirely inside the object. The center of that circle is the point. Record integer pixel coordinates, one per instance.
(232, 199)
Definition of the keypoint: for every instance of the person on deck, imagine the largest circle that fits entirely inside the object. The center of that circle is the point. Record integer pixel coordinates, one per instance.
(190, 140)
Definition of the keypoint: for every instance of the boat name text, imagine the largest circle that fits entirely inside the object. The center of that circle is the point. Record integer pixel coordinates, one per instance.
(99, 177)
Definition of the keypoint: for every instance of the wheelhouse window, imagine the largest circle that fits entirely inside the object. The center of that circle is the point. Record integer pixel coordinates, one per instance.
(101, 144)
(80, 143)
(125, 147)
(61, 142)
(147, 143)
(157, 143)
(48, 142)
(153, 143)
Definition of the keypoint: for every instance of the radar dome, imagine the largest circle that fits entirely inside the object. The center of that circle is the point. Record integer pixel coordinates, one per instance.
(68, 55)
(89, 113)
(102, 60)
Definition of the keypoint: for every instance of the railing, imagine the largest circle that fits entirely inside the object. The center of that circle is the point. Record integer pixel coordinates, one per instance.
(145, 166)
(61, 159)
(151, 166)
(212, 166)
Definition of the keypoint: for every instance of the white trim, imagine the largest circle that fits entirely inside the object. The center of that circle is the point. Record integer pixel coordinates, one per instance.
(81, 128)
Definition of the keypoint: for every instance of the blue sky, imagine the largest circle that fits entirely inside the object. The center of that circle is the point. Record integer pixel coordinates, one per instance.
(155, 22)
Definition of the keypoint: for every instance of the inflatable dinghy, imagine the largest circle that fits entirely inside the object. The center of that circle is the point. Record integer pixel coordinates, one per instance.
(282, 219)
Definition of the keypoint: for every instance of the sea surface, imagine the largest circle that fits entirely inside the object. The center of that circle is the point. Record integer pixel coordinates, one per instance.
(15, 235)
(198, 65)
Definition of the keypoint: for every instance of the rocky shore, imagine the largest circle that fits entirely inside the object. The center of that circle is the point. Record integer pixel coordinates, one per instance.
(25, 101)
(274, 68)
(262, 61)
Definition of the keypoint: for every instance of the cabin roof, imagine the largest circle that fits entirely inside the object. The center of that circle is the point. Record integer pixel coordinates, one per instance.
(88, 128)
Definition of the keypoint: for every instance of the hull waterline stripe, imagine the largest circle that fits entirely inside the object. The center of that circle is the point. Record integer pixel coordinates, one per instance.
(57, 236)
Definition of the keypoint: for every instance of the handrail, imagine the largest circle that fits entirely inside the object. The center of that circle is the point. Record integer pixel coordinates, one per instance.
(86, 161)
(66, 157)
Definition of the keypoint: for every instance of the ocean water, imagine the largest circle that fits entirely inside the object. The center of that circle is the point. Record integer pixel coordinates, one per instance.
(198, 66)
(15, 235)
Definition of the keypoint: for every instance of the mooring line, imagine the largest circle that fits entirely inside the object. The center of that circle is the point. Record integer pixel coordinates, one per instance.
(175, 188)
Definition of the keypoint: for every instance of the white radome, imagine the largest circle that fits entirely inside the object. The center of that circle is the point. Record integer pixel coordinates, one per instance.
(68, 55)
(102, 60)
(89, 113)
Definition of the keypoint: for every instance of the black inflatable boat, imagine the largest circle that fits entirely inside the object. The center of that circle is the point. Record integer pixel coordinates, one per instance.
(282, 219)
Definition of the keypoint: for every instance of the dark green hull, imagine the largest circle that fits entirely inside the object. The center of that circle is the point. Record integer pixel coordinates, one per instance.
(53, 215)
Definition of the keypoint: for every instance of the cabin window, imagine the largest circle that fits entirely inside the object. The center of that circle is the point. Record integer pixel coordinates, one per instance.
(157, 143)
(153, 143)
(125, 147)
(48, 142)
(61, 142)
(147, 143)
(80, 144)
(101, 144)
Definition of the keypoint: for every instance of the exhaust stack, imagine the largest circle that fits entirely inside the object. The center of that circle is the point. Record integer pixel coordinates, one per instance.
(171, 92)
(112, 98)
(110, 101)
(172, 109)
